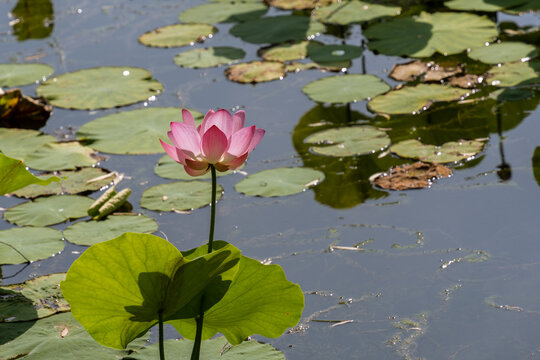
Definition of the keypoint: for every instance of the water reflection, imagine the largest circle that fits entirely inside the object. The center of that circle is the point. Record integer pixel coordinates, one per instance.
(33, 19)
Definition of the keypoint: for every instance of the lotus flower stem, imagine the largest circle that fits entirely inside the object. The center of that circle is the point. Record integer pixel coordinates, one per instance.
(161, 347)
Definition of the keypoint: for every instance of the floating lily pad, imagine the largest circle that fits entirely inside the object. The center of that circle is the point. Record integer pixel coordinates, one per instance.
(18, 143)
(24, 112)
(299, 4)
(483, 5)
(223, 12)
(332, 53)
(345, 88)
(536, 164)
(348, 12)
(184, 195)
(72, 182)
(503, 52)
(209, 57)
(437, 73)
(255, 71)
(422, 36)
(517, 73)
(20, 245)
(218, 348)
(336, 67)
(467, 81)
(93, 232)
(49, 210)
(23, 74)
(141, 130)
(279, 182)
(32, 299)
(170, 169)
(287, 52)
(177, 35)
(100, 88)
(33, 22)
(277, 29)
(14, 176)
(349, 141)
(61, 156)
(452, 151)
(411, 99)
(412, 176)
(408, 71)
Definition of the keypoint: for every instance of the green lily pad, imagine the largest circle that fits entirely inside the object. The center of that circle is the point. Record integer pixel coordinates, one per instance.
(32, 299)
(255, 71)
(260, 301)
(345, 88)
(118, 288)
(170, 169)
(93, 232)
(223, 12)
(177, 35)
(349, 12)
(332, 53)
(287, 52)
(209, 57)
(58, 337)
(15, 176)
(517, 73)
(61, 156)
(503, 52)
(277, 29)
(335, 66)
(279, 182)
(141, 130)
(17, 143)
(20, 245)
(536, 164)
(212, 349)
(483, 5)
(100, 88)
(71, 182)
(411, 99)
(299, 4)
(23, 74)
(49, 210)
(184, 195)
(452, 151)
(422, 36)
(349, 141)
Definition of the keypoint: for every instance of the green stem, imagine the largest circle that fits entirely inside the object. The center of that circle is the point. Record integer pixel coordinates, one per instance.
(161, 347)
(212, 210)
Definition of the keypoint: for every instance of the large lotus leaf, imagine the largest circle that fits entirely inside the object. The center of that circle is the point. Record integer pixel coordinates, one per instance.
(287, 52)
(277, 29)
(422, 36)
(503, 52)
(17, 143)
(299, 4)
(411, 99)
(14, 176)
(452, 151)
(20, 245)
(260, 301)
(132, 132)
(223, 12)
(33, 22)
(348, 141)
(93, 232)
(61, 156)
(23, 74)
(255, 71)
(279, 182)
(348, 12)
(536, 164)
(71, 182)
(483, 5)
(345, 88)
(177, 35)
(58, 337)
(517, 73)
(333, 53)
(170, 169)
(32, 299)
(209, 57)
(100, 88)
(218, 348)
(528, 5)
(183, 195)
(49, 210)
(118, 288)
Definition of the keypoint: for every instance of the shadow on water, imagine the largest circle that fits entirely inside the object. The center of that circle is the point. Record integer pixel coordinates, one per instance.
(34, 19)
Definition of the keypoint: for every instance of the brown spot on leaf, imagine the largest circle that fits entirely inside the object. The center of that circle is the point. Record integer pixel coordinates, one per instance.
(416, 176)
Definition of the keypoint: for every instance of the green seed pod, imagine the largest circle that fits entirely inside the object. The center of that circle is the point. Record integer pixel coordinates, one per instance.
(113, 204)
(93, 210)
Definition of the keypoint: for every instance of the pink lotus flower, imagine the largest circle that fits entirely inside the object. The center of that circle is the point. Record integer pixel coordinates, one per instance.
(221, 140)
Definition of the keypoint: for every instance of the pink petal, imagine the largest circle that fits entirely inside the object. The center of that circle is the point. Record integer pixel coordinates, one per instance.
(188, 118)
(214, 144)
(173, 152)
(259, 133)
(222, 119)
(202, 128)
(186, 138)
(241, 140)
(239, 118)
(193, 172)
(196, 165)
(236, 163)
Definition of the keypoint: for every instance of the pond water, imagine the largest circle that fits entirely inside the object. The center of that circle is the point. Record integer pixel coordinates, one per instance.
(448, 272)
